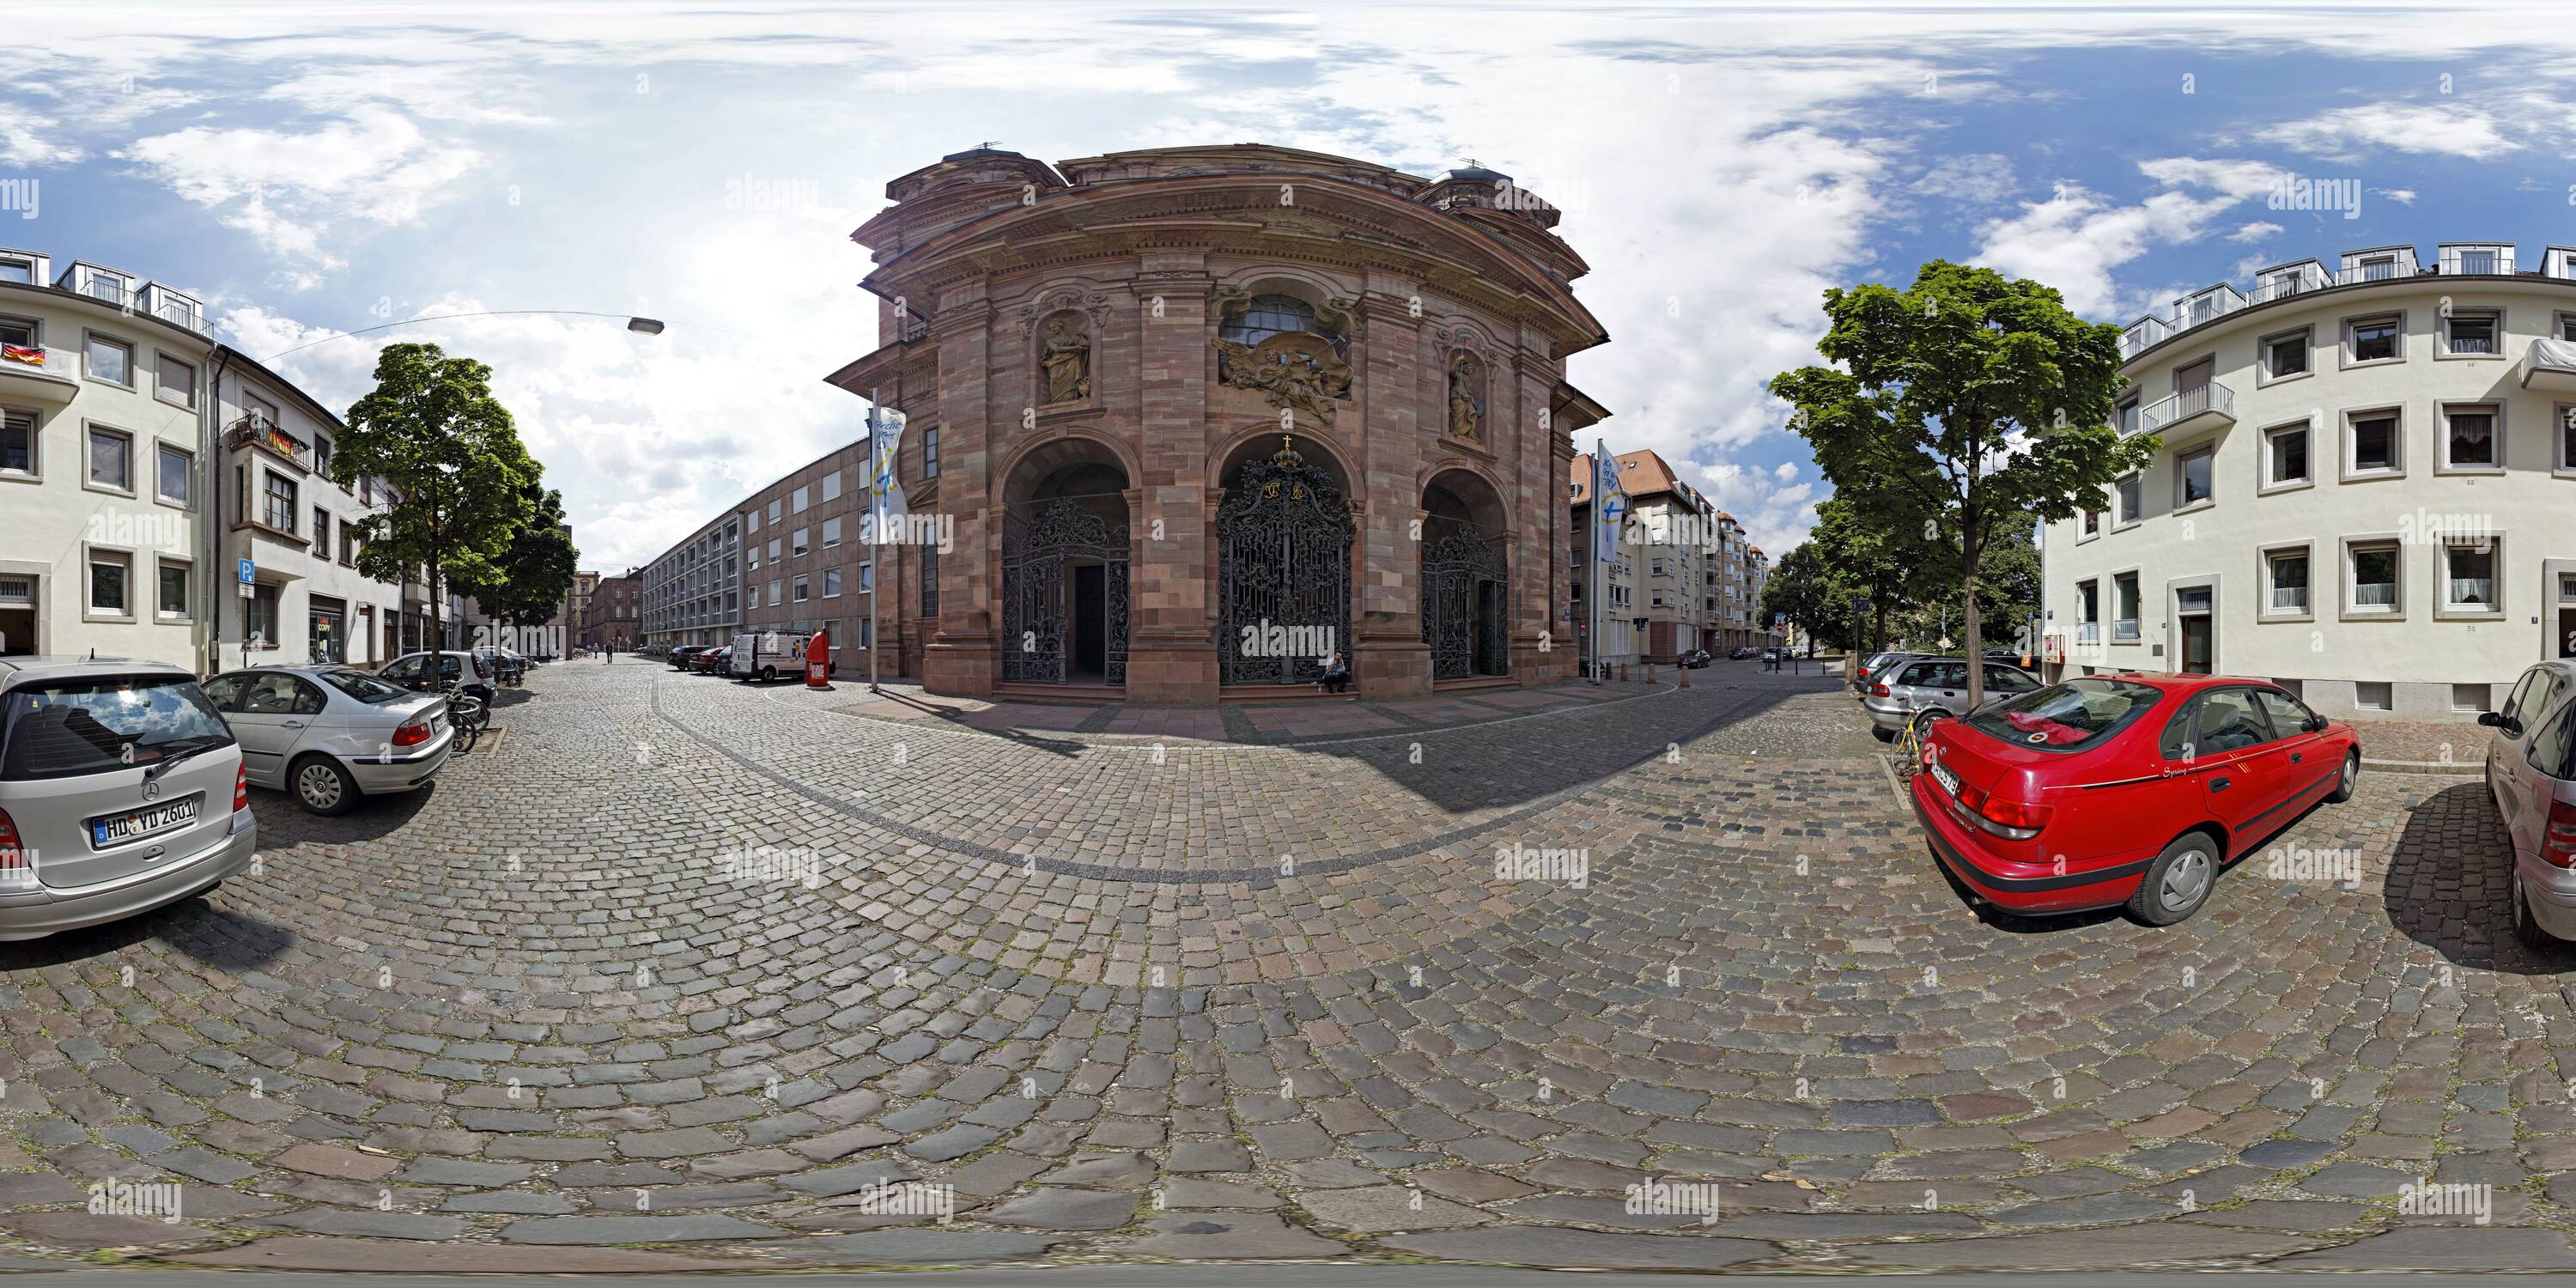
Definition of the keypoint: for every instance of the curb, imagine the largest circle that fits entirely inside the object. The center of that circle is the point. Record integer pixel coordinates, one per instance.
(2435, 768)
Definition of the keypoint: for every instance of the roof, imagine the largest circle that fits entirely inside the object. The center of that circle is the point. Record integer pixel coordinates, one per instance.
(1641, 473)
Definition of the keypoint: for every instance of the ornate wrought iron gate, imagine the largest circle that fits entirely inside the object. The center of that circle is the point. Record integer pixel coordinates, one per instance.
(1466, 605)
(1283, 560)
(1035, 598)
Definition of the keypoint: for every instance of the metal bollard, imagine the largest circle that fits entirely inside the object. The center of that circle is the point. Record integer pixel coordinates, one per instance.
(1685, 677)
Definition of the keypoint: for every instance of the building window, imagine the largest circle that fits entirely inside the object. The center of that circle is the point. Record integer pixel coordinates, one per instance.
(348, 546)
(2192, 475)
(2470, 335)
(831, 533)
(831, 583)
(2092, 526)
(2472, 437)
(796, 502)
(2469, 577)
(930, 580)
(111, 460)
(2286, 455)
(2374, 695)
(322, 456)
(2285, 355)
(2128, 417)
(800, 588)
(2469, 697)
(930, 453)
(18, 441)
(773, 592)
(2287, 573)
(832, 486)
(2088, 612)
(752, 521)
(2378, 339)
(2374, 578)
(2129, 495)
(2124, 602)
(111, 361)
(17, 270)
(773, 550)
(867, 578)
(796, 542)
(177, 470)
(321, 533)
(752, 599)
(773, 511)
(2376, 445)
(280, 497)
(109, 593)
(174, 381)
(175, 581)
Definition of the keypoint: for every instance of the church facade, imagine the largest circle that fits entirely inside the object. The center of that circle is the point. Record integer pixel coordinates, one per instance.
(1183, 424)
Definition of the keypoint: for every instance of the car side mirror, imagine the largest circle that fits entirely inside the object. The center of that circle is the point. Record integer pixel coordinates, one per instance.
(2316, 724)
(2490, 719)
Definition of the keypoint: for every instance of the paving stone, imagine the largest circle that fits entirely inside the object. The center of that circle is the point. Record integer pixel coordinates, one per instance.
(1527, 1245)
(2273, 1214)
(2118, 1247)
(366, 1223)
(2357, 1181)
(2285, 1153)
(912, 1248)
(601, 1230)
(1199, 1192)
(80, 1231)
(1385, 1207)
(1061, 1208)
(2085, 1211)
(457, 1171)
(1228, 1236)
(1208, 1156)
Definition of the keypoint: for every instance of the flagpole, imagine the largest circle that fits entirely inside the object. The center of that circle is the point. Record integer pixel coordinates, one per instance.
(1599, 503)
(876, 539)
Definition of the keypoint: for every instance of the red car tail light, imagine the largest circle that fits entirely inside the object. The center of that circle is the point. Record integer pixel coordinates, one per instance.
(2010, 819)
(12, 858)
(1878, 690)
(241, 787)
(411, 735)
(2558, 840)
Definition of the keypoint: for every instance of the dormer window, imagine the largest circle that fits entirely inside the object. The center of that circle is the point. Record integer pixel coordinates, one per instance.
(2378, 268)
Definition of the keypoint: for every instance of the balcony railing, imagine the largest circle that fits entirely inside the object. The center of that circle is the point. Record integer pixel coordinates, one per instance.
(41, 360)
(2297, 279)
(2476, 260)
(2207, 306)
(2211, 397)
(260, 431)
(2144, 334)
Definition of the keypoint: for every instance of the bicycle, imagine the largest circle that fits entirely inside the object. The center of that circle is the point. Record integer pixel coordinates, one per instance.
(1917, 734)
(467, 713)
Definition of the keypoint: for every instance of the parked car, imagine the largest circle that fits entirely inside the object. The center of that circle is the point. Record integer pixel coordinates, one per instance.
(1693, 659)
(478, 675)
(684, 657)
(1775, 653)
(2130, 790)
(328, 735)
(1871, 665)
(711, 661)
(2531, 777)
(121, 790)
(1933, 684)
(1743, 651)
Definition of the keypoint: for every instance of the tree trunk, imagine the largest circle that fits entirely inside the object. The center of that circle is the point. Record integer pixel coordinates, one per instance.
(1975, 650)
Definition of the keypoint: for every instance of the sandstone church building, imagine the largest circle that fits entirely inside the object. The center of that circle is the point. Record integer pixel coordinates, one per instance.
(1202, 416)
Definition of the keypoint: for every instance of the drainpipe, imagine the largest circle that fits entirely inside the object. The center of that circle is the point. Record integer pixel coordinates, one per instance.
(210, 453)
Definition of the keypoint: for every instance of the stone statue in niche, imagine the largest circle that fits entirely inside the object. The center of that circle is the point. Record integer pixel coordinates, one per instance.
(1466, 407)
(1064, 363)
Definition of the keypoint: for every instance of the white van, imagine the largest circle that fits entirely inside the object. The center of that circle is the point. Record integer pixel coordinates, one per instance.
(764, 655)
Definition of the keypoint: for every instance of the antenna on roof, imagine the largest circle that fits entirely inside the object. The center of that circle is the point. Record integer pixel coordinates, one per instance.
(987, 144)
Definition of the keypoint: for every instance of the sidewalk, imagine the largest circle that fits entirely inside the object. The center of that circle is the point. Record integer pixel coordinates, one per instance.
(1258, 723)
(2424, 746)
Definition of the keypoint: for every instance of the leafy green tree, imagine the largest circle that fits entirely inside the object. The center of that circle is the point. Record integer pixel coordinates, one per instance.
(432, 429)
(2007, 593)
(1804, 587)
(1872, 560)
(536, 573)
(1968, 399)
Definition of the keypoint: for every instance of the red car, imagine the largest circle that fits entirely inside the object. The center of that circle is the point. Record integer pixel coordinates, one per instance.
(2130, 790)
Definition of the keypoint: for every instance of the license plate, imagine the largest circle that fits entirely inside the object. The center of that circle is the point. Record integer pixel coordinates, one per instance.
(1941, 774)
(117, 829)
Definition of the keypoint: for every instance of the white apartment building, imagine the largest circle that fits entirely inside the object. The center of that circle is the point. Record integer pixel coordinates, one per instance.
(2362, 490)
(693, 591)
(103, 475)
(1684, 575)
(279, 510)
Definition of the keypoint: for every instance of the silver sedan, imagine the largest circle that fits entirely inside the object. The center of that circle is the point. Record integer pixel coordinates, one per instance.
(328, 735)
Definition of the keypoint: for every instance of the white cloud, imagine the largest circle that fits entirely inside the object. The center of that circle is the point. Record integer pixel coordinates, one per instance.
(2075, 239)
(2402, 196)
(284, 187)
(26, 139)
(1973, 179)
(2347, 133)
(2254, 232)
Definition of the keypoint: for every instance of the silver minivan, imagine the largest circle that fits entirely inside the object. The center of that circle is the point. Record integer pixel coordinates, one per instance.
(328, 735)
(121, 790)
(2531, 777)
(1934, 684)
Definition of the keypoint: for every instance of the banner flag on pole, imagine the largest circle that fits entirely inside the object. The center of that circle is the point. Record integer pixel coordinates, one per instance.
(1609, 505)
(886, 505)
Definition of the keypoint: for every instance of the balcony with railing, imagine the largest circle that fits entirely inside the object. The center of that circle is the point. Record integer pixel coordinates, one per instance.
(2285, 280)
(255, 430)
(2201, 308)
(2376, 264)
(2187, 410)
(2144, 334)
(2475, 259)
(40, 373)
(172, 307)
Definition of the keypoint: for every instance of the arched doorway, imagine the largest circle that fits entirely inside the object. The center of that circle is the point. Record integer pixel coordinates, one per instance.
(1283, 589)
(1466, 578)
(1064, 566)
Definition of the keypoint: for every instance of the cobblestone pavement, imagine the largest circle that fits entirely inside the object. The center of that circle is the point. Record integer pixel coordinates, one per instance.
(682, 974)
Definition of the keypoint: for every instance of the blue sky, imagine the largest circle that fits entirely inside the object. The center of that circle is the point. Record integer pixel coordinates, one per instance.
(312, 168)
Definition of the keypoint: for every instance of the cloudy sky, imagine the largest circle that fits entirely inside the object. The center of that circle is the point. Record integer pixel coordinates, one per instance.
(315, 168)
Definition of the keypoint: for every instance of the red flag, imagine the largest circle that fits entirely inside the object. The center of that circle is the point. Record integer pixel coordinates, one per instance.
(17, 353)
